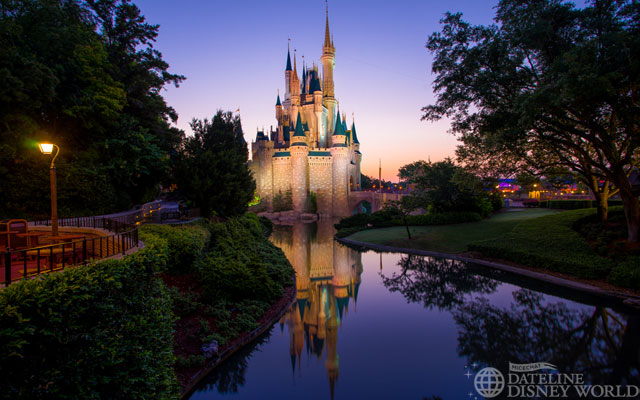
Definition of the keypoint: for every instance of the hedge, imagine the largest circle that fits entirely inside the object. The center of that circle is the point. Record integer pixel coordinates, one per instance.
(101, 331)
(551, 242)
(574, 204)
(185, 244)
(382, 219)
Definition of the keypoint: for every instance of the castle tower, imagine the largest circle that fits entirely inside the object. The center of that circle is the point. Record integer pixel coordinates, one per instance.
(328, 60)
(299, 173)
(358, 155)
(341, 162)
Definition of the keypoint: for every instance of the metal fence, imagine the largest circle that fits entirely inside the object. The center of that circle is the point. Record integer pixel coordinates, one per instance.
(24, 263)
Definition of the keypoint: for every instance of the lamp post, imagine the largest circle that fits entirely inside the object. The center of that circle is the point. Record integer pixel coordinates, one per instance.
(47, 148)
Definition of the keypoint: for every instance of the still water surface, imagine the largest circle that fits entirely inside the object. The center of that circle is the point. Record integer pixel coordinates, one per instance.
(393, 326)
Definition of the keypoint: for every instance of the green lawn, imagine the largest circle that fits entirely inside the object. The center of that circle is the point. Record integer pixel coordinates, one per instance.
(449, 238)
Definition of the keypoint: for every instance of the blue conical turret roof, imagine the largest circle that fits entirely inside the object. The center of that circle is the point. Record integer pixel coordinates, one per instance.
(299, 131)
(339, 127)
(278, 103)
(353, 133)
(288, 61)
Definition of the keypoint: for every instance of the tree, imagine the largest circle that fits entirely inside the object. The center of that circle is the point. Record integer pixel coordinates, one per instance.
(404, 207)
(409, 172)
(212, 169)
(547, 79)
(82, 74)
(366, 182)
(445, 187)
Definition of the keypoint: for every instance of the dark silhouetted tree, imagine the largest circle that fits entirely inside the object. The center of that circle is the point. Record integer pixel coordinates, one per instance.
(212, 169)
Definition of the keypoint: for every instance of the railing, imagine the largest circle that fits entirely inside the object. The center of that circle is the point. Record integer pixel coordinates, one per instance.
(26, 263)
(111, 224)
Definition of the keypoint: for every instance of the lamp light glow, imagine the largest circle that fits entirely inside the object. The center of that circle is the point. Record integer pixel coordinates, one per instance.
(46, 148)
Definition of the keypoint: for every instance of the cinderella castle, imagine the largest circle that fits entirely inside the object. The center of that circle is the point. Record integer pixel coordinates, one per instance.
(311, 154)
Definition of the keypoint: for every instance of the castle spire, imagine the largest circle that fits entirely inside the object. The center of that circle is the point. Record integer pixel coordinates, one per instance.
(295, 66)
(288, 57)
(327, 36)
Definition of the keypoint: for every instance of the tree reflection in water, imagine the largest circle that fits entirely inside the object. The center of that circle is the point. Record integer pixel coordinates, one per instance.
(601, 344)
(435, 282)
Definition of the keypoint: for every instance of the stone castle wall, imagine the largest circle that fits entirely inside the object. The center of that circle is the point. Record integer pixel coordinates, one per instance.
(321, 182)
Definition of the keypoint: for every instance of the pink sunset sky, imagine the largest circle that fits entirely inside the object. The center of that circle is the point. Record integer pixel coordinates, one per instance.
(233, 54)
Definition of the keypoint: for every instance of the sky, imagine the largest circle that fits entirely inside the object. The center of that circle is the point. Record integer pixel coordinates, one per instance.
(233, 54)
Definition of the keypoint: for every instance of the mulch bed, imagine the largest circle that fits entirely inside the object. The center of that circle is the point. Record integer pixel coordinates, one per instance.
(187, 333)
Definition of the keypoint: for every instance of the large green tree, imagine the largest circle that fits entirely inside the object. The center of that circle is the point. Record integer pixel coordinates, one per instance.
(84, 75)
(547, 80)
(443, 187)
(212, 170)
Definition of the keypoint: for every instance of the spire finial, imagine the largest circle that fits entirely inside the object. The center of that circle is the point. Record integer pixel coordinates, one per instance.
(295, 67)
(327, 36)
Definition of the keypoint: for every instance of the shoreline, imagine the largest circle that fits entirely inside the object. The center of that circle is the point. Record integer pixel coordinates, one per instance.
(280, 308)
(610, 292)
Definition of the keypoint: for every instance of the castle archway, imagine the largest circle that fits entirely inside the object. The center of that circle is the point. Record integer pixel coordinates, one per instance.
(363, 207)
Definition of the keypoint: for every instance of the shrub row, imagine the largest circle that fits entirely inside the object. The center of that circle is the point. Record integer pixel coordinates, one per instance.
(101, 331)
(551, 242)
(568, 204)
(185, 244)
(386, 218)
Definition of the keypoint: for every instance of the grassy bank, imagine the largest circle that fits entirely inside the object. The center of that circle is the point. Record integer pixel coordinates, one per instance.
(570, 242)
(449, 238)
(566, 243)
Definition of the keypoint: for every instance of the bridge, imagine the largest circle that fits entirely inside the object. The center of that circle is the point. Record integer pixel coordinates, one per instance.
(377, 200)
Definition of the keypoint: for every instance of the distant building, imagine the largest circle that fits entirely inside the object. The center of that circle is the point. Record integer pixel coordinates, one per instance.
(311, 150)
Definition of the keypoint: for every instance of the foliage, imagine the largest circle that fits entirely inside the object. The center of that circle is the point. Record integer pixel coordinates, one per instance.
(283, 201)
(444, 187)
(313, 202)
(366, 182)
(242, 264)
(212, 169)
(409, 172)
(553, 242)
(186, 244)
(82, 74)
(391, 217)
(99, 331)
(191, 361)
(547, 85)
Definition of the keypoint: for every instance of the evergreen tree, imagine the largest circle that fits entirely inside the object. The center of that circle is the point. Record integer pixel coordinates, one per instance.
(212, 169)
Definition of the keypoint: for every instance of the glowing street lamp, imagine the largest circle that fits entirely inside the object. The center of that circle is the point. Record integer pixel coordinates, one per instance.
(47, 148)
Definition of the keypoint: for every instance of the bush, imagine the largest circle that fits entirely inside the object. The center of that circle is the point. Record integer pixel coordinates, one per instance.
(626, 273)
(185, 244)
(283, 201)
(497, 201)
(387, 218)
(101, 331)
(242, 263)
(570, 204)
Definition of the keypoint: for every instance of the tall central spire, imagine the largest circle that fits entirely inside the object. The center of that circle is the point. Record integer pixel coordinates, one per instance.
(327, 35)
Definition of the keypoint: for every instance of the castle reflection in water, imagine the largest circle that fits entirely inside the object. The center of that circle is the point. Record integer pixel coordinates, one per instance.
(327, 279)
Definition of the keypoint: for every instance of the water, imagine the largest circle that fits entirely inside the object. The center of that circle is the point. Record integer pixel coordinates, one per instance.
(393, 326)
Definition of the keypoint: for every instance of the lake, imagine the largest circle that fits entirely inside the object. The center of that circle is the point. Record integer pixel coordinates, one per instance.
(395, 326)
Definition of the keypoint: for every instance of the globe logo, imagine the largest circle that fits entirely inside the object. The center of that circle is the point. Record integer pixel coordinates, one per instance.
(489, 382)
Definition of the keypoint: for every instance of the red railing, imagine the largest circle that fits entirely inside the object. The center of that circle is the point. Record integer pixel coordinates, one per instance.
(25, 263)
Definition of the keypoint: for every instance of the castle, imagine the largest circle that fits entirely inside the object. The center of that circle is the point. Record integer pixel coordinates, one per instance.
(312, 154)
